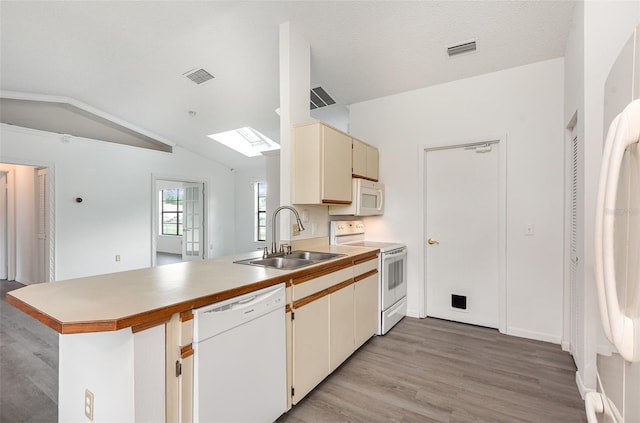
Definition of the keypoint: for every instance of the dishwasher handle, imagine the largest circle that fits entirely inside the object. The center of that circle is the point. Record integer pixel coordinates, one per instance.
(245, 302)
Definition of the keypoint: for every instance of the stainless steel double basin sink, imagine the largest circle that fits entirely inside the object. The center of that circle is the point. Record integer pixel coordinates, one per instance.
(293, 260)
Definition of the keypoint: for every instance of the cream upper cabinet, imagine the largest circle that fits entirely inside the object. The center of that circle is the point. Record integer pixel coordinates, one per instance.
(365, 160)
(321, 165)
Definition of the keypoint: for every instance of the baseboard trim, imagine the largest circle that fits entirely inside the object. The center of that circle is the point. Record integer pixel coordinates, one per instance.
(582, 388)
(538, 336)
(413, 313)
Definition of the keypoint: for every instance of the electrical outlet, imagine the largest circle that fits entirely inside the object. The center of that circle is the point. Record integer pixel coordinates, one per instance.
(88, 404)
(295, 229)
(117, 257)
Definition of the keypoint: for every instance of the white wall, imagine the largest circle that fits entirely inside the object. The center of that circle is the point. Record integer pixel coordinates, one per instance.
(245, 227)
(526, 104)
(115, 182)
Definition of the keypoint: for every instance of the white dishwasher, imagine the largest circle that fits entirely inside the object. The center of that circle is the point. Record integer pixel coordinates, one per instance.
(240, 358)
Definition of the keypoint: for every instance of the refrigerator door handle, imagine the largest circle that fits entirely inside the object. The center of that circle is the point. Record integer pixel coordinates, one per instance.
(622, 326)
(604, 171)
(593, 404)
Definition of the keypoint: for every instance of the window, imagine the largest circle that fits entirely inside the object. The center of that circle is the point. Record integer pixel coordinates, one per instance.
(261, 211)
(171, 211)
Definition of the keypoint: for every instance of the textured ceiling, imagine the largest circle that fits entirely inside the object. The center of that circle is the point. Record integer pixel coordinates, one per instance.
(128, 58)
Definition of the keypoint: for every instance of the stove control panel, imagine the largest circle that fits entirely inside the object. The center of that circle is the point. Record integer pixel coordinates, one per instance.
(347, 227)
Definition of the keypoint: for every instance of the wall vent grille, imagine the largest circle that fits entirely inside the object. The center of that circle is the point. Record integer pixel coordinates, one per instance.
(199, 76)
(318, 97)
(467, 47)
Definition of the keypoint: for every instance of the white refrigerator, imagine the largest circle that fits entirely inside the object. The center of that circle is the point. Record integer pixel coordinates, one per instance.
(617, 245)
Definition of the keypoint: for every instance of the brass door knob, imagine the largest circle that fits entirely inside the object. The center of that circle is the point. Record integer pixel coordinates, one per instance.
(432, 241)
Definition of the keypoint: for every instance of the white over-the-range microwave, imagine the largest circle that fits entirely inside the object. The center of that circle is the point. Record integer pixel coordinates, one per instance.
(367, 200)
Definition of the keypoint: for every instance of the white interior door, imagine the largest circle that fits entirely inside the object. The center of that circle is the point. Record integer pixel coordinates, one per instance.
(4, 234)
(193, 228)
(462, 229)
(42, 225)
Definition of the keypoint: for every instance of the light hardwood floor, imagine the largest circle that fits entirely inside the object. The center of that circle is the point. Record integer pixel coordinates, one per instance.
(424, 370)
(28, 365)
(429, 370)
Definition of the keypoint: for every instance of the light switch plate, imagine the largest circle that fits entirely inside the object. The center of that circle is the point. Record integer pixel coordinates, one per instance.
(529, 230)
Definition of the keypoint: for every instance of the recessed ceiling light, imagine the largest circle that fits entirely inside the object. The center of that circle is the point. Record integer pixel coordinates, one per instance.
(246, 141)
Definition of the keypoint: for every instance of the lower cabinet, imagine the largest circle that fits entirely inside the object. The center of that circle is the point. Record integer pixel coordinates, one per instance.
(341, 325)
(310, 346)
(333, 315)
(365, 308)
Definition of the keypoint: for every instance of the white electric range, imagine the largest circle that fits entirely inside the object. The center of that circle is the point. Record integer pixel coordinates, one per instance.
(392, 270)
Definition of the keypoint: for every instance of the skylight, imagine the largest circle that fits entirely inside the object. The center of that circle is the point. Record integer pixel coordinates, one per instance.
(246, 141)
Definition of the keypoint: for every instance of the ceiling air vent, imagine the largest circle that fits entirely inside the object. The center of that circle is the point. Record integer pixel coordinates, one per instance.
(466, 47)
(199, 76)
(319, 98)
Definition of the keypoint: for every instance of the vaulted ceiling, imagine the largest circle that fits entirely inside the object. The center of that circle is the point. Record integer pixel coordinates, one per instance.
(128, 58)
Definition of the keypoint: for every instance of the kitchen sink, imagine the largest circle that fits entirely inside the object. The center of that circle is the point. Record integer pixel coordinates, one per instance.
(294, 260)
(313, 255)
(284, 263)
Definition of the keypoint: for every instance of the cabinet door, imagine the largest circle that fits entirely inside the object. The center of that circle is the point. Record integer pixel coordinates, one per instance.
(359, 158)
(310, 346)
(366, 309)
(336, 166)
(341, 325)
(372, 163)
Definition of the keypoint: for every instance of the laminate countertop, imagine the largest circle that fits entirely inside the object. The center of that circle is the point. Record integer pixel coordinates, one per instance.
(146, 297)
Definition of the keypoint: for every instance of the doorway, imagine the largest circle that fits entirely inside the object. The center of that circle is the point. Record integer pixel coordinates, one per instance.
(464, 190)
(178, 232)
(26, 223)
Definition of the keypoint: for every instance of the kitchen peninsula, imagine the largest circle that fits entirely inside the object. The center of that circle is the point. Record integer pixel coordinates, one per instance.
(124, 335)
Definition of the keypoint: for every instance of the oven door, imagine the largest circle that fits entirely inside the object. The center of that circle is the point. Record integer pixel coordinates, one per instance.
(393, 277)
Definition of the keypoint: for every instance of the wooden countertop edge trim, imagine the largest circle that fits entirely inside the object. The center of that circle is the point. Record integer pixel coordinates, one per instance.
(35, 313)
(146, 319)
(149, 325)
(153, 317)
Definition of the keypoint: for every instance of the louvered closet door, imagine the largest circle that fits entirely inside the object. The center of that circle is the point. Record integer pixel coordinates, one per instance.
(573, 243)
